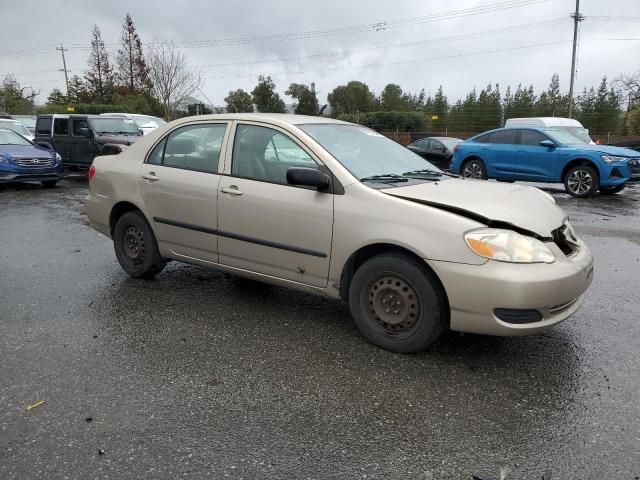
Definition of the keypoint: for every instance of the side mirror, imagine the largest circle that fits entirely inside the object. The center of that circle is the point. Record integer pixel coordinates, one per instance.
(547, 144)
(140, 132)
(46, 145)
(84, 132)
(308, 177)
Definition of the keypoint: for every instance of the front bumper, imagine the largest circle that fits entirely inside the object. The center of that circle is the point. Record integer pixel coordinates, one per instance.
(618, 173)
(10, 177)
(554, 290)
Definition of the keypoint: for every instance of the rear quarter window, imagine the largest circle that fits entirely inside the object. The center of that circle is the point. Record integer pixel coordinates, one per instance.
(43, 126)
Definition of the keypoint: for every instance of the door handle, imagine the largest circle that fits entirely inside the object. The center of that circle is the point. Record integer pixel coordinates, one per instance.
(151, 176)
(232, 190)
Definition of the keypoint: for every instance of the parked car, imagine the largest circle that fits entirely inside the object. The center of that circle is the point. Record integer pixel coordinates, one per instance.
(337, 209)
(633, 145)
(146, 123)
(17, 127)
(23, 161)
(81, 138)
(570, 125)
(28, 121)
(547, 155)
(438, 150)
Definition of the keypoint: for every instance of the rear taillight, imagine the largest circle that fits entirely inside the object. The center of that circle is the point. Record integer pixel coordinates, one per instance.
(92, 172)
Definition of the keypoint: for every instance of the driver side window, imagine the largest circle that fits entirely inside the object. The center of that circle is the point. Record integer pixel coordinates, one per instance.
(264, 154)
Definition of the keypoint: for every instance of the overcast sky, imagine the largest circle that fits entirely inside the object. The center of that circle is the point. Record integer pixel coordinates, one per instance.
(333, 41)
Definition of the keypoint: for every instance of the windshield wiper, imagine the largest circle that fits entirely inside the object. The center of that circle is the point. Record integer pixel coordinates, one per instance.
(427, 173)
(386, 177)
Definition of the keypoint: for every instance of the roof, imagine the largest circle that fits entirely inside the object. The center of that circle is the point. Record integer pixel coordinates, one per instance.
(545, 121)
(268, 117)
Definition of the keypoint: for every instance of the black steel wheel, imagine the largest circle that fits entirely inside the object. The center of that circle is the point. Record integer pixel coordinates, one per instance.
(398, 303)
(582, 181)
(136, 247)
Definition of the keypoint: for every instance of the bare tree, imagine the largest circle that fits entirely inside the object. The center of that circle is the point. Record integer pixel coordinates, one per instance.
(630, 84)
(171, 78)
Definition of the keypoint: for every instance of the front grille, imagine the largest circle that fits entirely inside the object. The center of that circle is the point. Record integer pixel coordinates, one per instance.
(34, 162)
(634, 166)
(563, 241)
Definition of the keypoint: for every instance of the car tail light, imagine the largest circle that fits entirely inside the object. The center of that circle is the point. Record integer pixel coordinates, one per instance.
(92, 172)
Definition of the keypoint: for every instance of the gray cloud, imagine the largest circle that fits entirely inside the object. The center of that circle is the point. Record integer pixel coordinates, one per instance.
(458, 64)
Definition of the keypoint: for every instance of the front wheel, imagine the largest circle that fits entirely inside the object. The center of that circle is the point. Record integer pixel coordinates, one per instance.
(612, 190)
(397, 303)
(582, 181)
(136, 247)
(474, 169)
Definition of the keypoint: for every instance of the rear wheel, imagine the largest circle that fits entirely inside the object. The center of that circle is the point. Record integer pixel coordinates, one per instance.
(474, 169)
(581, 181)
(612, 190)
(397, 303)
(49, 183)
(136, 247)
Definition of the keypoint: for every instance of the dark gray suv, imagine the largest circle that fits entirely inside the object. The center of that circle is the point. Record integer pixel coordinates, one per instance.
(80, 138)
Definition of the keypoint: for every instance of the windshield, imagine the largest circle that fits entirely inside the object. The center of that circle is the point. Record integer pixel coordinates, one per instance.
(366, 153)
(9, 137)
(450, 143)
(16, 127)
(29, 122)
(121, 126)
(142, 121)
(565, 137)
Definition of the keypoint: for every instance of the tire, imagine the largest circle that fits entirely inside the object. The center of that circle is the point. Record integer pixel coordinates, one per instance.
(582, 181)
(422, 313)
(136, 246)
(49, 183)
(474, 169)
(612, 190)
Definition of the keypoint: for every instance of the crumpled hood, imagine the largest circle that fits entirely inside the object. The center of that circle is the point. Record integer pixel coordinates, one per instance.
(492, 203)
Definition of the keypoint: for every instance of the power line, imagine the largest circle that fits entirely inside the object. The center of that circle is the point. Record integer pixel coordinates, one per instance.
(400, 62)
(499, 31)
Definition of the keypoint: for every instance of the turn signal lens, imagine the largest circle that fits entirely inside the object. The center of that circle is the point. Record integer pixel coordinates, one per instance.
(92, 172)
(508, 246)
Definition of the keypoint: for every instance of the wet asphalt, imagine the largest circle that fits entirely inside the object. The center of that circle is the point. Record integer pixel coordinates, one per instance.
(199, 374)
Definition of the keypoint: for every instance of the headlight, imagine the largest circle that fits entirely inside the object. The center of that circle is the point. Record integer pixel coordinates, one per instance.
(58, 157)
(611, 159)
(508, 246)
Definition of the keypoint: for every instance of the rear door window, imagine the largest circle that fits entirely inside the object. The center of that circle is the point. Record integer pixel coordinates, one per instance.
(61, 127)
(193, 147)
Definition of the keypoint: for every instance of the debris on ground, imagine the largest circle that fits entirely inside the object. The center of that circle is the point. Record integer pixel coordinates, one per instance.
(36, 405)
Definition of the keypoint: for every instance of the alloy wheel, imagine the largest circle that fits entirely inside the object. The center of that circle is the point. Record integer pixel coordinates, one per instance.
(472, 170)
(579, 182)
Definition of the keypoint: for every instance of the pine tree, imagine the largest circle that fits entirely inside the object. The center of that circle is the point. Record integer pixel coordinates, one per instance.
(133, 73)
(100, 77)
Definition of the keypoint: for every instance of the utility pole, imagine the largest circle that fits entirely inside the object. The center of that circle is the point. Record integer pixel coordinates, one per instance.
(577, 18)
(64, 67)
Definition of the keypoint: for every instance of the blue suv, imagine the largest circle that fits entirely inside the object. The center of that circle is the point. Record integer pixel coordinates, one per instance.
(547, 155)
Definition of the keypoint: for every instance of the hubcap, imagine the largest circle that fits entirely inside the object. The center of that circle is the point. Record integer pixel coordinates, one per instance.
(393, 304)
(133, 243)
(580, 182)
(472, 170)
